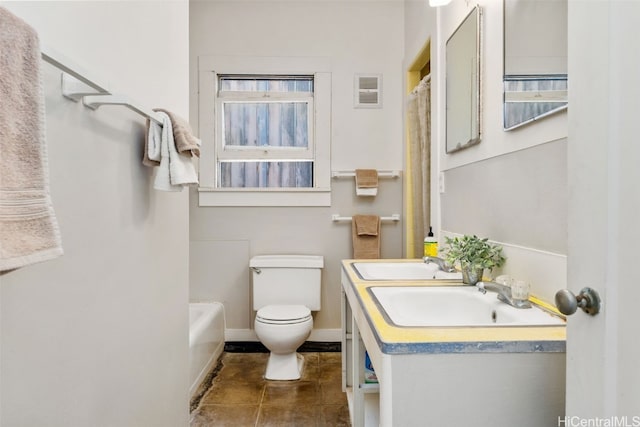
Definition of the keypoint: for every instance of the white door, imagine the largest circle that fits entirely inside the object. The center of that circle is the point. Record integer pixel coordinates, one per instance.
(603, 351)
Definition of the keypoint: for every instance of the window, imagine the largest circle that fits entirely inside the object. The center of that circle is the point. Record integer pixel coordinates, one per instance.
(264, 125)
(265, 131)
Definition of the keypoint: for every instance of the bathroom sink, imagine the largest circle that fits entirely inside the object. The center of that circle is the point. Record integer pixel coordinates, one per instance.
(458, 306)
(402, 271)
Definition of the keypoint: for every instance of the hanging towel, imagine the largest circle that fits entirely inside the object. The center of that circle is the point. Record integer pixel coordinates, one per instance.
(175, 170)
(365, 234)
(152, 138)
(366, 182)
(29, 230)
(186, 143)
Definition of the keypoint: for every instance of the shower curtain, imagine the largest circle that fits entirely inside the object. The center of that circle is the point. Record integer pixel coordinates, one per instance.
(419, 120)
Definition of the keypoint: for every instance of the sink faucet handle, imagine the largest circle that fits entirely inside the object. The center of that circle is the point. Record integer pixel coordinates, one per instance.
(481, 288)
(441, 263)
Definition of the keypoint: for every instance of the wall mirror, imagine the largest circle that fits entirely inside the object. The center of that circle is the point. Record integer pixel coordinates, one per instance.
(535, 60)
(462, 55)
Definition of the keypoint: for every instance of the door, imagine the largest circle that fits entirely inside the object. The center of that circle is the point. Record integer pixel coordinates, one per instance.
(603, 351)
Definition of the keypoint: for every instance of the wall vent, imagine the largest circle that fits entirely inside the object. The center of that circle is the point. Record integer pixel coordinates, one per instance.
(368, 91)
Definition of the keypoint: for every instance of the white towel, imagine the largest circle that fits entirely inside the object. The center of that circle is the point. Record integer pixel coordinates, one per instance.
(175, 170)
(366, 191)
(154, 139)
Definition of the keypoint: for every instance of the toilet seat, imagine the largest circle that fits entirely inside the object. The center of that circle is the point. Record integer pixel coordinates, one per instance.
(283, 314)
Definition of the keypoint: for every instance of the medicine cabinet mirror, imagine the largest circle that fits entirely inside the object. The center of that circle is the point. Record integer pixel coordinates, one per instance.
(463, 84)
(535, 60)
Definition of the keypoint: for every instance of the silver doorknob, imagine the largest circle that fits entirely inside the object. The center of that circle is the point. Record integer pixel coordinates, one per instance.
(588, 300)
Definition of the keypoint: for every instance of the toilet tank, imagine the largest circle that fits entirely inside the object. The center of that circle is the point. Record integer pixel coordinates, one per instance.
(286, 279)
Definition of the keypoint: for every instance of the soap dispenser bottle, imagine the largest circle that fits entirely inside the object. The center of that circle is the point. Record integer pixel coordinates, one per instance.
(430, 244)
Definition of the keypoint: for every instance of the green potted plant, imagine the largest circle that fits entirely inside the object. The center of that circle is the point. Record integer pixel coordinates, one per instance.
(473, 254)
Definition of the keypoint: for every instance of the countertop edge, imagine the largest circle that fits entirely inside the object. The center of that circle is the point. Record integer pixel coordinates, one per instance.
(452, 346)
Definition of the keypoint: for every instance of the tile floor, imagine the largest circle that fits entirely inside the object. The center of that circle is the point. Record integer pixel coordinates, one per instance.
(240, 396)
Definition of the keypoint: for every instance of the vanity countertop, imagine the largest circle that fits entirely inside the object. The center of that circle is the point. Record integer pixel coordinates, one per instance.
(394, 339)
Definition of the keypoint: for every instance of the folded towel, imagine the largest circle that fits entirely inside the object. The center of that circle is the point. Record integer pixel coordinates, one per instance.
(369, 192)
(366, 178)
(366, 182)
(367, 225)
(29, 230)
(175, 170)
(365, 235)
(186, 143)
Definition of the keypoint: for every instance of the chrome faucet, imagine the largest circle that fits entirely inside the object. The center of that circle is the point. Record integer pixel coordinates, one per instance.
(442, 264)
(504, 294)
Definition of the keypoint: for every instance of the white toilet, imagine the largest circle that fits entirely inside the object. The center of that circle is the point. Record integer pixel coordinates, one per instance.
(286, 288)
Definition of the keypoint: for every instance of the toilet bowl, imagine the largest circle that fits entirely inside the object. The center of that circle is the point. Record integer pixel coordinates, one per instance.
(282, 329)
(286, 288)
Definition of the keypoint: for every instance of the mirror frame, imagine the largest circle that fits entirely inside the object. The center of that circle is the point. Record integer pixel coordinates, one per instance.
(523, 93)
(451, 147)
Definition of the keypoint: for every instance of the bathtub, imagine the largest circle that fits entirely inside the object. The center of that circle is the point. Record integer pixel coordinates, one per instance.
(206, 340)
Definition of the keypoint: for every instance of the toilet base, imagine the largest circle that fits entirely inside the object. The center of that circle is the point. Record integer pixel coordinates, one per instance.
(284, 366)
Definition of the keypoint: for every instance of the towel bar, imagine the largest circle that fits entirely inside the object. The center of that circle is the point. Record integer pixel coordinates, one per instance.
(351, 174)
(67, 66)
(72, 86)
(95, 101)
(337, 217)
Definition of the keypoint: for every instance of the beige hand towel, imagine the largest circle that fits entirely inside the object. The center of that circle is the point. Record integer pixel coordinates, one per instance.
(186, 142)
(365, 234)
(366, 182)
(366, 178)
(28, 228)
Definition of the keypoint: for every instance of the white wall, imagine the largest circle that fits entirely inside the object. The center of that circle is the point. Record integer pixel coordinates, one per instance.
(495, 141)
(357, 37)
(99, 336)
(512, 187)
(419, 26)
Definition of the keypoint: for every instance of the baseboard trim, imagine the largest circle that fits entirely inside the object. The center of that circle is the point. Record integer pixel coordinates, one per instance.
(326, 335)
(258, 347)
(240, 335)
(317, 335)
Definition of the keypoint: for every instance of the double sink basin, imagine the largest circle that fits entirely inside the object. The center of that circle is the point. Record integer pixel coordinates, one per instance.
(441, 306)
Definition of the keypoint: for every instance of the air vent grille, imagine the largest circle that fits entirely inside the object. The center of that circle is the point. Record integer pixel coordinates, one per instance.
(368, 91)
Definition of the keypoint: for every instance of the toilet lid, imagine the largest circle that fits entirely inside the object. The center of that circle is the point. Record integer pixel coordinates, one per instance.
(284, 312)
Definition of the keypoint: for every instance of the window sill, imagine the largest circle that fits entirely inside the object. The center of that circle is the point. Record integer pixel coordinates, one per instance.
(264, 197)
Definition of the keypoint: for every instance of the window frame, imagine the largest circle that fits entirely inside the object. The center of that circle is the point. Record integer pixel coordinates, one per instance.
(210, 67)
(232, 152)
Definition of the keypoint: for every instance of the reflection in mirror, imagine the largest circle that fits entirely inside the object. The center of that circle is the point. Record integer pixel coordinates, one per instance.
(535, 60)
(463, 84)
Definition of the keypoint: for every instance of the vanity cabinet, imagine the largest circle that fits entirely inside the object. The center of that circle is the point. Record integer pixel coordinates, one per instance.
(422, 382)
(363, 397)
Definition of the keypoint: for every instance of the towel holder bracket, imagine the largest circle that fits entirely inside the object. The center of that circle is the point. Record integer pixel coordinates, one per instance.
(75, 89)
(96, 101)
(76, 82)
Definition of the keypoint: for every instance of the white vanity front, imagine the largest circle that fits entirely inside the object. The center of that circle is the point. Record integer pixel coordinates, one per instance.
(489, 375)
